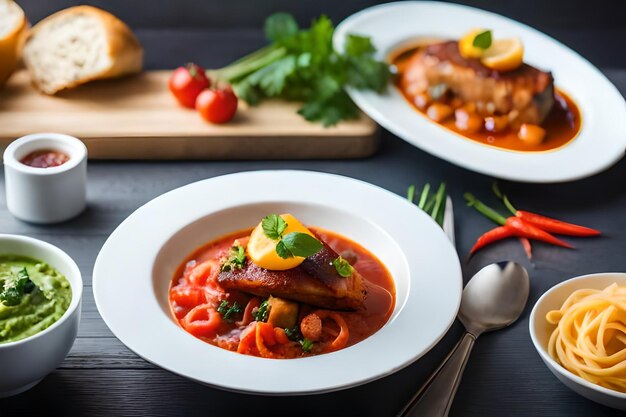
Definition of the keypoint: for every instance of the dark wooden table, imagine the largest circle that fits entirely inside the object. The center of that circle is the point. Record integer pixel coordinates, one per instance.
(505, 376)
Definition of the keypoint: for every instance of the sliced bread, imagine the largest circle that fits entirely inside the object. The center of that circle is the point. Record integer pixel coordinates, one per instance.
(13, 26)
(78, 45)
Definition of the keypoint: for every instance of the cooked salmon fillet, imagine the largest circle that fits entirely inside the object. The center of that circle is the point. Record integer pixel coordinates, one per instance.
(314, 282)
(525, 94)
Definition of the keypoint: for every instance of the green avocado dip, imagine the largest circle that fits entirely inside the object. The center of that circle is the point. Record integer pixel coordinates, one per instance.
(33, 295)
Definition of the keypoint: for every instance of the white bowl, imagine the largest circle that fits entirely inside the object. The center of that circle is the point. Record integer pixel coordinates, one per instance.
(26, 362)
(540, 331)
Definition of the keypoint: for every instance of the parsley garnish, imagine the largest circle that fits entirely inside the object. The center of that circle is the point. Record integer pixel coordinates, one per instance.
(273, 226)
(306, 344)
(292, 244)
(228, 311)
(483, 40)
(343, 267)
(236, 259)
(302, 65)
(262, 312)
(15, 289)
(298, 244)
(293, 333)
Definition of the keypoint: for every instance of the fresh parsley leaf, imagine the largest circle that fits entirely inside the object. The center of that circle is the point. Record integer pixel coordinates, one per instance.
(366, 73)
(273, 226)
(229, 311)
(248, 93)
(15, 289)
(331, 111)
(483, 40)
(300, 244)
(358, 45)
(236, 259)
(343, 267)
(293, 333)
(24, 283)
(262, 312)
(272, 78)
(306, 344)
(279, 26)
(282, 250)
(11, 297)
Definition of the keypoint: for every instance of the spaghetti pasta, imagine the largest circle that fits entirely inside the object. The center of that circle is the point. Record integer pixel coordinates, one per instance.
(590, 336)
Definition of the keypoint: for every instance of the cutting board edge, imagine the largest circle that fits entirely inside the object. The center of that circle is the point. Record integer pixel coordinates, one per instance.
(231, 147)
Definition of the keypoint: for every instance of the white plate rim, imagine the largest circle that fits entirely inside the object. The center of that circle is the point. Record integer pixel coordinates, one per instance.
(599, 145)
(449, 277)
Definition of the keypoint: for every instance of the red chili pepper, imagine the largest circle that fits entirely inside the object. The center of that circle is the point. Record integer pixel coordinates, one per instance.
(499, 233)
(527, 247)
(556, 226)
(527, 230)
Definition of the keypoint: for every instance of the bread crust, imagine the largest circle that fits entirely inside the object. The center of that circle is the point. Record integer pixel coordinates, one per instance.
(10, 47)
(124, 49)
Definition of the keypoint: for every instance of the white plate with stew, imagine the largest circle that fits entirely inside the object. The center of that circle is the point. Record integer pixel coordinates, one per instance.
(135, 268)
(597, 141)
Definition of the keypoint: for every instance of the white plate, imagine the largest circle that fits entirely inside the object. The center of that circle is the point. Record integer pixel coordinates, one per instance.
(136, 264)
(600, 143)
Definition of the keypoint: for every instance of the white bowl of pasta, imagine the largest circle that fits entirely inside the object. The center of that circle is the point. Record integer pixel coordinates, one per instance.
(578, 329)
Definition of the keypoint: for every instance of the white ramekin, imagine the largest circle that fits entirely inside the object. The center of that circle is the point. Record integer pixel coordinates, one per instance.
(26, 362)
(46, 195)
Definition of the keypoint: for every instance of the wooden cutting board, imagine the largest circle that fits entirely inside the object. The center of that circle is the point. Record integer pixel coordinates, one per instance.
(137, 118)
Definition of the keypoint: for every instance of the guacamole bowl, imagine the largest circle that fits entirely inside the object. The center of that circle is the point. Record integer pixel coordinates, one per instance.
(26, 361)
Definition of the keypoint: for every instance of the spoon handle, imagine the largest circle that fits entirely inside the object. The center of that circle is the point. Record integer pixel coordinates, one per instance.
(435, 397)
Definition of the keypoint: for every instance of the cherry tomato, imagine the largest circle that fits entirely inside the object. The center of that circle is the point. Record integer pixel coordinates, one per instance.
(217, 106)
(187, 82)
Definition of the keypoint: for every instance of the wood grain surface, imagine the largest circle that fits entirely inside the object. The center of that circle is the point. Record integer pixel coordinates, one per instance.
(137, 118)
(504, 377)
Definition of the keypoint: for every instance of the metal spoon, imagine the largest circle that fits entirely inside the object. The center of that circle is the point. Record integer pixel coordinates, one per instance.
(494, 298)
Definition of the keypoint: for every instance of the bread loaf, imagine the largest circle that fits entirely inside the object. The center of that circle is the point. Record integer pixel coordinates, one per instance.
(78, 45)
(13, 26)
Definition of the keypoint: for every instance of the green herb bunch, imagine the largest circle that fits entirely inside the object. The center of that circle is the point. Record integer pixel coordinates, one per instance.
(302, 65)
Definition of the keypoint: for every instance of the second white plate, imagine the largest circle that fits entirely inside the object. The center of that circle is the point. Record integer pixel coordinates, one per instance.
(600, 143)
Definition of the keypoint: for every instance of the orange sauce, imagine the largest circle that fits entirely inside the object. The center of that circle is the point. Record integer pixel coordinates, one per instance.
(188, 291)
(562, 124)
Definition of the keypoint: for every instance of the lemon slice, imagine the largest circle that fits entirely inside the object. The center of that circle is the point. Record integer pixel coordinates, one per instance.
(13, 26)
(504, 54)
(466, 44)
(262, 250)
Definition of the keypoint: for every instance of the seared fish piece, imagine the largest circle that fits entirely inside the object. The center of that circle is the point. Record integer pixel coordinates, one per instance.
(525, 94)
(314, 282)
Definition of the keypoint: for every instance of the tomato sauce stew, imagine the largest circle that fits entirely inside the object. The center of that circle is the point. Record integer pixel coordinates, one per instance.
(560, 127)
(237, 321)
